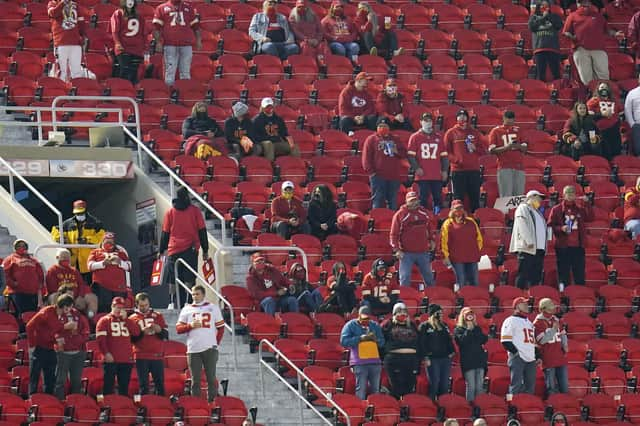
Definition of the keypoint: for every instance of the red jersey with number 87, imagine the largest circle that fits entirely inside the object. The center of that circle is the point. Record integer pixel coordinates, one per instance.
(427, 149)
(176, 22)
(505, 136)
(128, 31)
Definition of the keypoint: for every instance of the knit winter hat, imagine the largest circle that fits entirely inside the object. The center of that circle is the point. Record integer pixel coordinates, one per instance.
(399, 307)
(239, 109)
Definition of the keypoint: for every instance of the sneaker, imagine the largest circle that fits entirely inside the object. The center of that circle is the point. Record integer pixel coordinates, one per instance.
(171, 306)
(398, 51)
(351, 133)
(373, 51)
(436, 210)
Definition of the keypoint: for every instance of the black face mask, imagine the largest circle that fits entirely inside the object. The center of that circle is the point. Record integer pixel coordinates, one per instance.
(201, 115)
(604, 93)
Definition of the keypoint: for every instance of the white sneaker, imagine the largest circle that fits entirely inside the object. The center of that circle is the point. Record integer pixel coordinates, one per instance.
(351, 133)
(171, 306)
(398, 51)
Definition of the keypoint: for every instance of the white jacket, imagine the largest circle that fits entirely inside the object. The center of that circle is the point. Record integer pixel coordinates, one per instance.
(524, 231)
(632, 107)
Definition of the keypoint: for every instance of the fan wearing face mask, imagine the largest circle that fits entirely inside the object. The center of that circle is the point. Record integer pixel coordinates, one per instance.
(473, 357)
(67, 30)
(436, 347)
(391, 104)
(340, 31)
(128, 34)
(63, 274)
(343, 291)
(461, 242)
(24, 277)
(270, 131)
(632, 210)
(380, 289)
(302, 290)
(605, 111)
(529, 240)
(204, 138)
(401, 351)
(109, 264)
(288, 214)
(271, 31)
(306, 26)
(356, 105)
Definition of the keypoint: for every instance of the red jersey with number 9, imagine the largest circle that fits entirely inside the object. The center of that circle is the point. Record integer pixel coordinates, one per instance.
(427, 149)
(505, 136)
(128, 31)
(177, 23)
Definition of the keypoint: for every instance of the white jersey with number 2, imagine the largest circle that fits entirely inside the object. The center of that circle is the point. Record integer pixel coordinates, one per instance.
(203, 338)
(520, 332)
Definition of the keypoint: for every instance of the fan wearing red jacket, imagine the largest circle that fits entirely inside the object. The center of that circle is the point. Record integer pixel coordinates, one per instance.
(605, 112)
(268, 287)
(67, 29)
(356, 106)
(464, 148)
(42, 331)
(109, 265)
(506, 143)
(148, 344)
(632, 210)
(288, 215)
(114, 340)
(24, 277)
(391, 104)
(127, 31)
(553, 346)
(380, 289)
(62, 273)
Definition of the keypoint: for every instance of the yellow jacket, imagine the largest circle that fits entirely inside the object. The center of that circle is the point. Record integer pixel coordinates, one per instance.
(91, 232)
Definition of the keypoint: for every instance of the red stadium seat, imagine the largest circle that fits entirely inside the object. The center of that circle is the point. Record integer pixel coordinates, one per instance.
(235, 42)
(449, 16)
(530, 409)
(631, 403)
(386, 409)
(297, 326)
(119, 409)
(616, 298)
(580, 326)
(492, 408)
(611, 380)
(232, 68)
(454, 406)
(303, 67)
(157, 409)
(602, 352)
(13, 409)
(338, 68)
(230, 410)
(420, 408)
(46, 408)
(352, 405)
(466, 92)
(322, 377)
(514, 67)
(600, 408)
(295, 352)
(566, 404)
(415, 17)
(580, 298)
(468, 41)
(83, 408)
(175, 355)
(579, 378)
(615, 325)
(443, 67)
(342, 247)
(327, 169)
(195, 410)
(329, 325)
(478, 67)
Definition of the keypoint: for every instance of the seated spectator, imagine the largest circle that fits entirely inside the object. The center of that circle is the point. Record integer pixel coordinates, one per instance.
(632, 210)
(269, 287)
(200, 132)
(356, 106)
(24, 277)
(322, 212)
(343, 291)
(288, 215)
(270, 30)
(63, 274)
(340, 32)
(271, 132)
(380, 289)
(373, 37)
(308, 31)
(109, 264)
(301, 288)
(606, 113)
(352, 223)
(238, 129)
(390, 104)
(457, 234)
(580, 134)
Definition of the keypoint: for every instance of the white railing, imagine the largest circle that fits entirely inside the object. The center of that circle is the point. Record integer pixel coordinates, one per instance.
(12, 174)
(302, 401)
(220, 297)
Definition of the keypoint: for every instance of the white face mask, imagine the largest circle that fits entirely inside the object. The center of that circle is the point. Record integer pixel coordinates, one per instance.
(80, 217)
(130, 4)
(427, 126)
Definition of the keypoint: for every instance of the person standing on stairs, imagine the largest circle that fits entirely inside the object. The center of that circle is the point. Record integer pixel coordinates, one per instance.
(24, 277)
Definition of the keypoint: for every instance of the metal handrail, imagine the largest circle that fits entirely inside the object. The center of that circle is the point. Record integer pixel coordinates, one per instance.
(300, 375)
(12, 173)
(216, 257)
(220, 297)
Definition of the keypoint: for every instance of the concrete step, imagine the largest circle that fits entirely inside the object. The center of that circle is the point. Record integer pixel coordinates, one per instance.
(6, 242)
(12, 135)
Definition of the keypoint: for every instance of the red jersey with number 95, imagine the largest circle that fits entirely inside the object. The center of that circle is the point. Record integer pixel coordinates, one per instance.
(113, 336)
(128, 31)
(176, 21)
(427, 149)
(505, 136)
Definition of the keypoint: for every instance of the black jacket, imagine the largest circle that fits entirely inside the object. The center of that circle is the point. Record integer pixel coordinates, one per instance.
(318, 215)
(269, 128)
(196, 126)
(234, 130)
(399, 336)
(434, 343)
(545, 31)
(472, 354)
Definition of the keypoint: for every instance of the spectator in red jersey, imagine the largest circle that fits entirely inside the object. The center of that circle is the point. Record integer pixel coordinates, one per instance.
(457, 235)
(267, 286)
(587, 28)
(24, 277)
(568, 222)
(553, 346)
(271, 31)
(464, 148)
(340, 32)
(62, 273)
(109, 264)
(380, 289)
(580, 133)
(373, 37)
(177, 26)
(429, 160)
(308, 31)
(352, 223)
(183, 233)
(148, 345)
(390, 104)
(127, 31)
(72, 351)
(113, 334)
(631, 210)
(605, 112)
(506, 143)
(356, 106)
(67, 29)
(382, 157)
(288, 215)
(412, 238)
(42, 331)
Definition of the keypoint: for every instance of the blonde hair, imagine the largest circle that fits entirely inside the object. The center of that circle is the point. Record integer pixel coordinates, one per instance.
(546, 304)
(461, 322)
(437, 325)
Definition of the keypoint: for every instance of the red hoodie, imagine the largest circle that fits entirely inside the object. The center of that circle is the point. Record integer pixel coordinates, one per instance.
(43, 327)
(75, 340)
(354, 102)
(411, 230)
(559, 216)
(23, 274)
(338, 29)
(59, 275)
(390, 107)
(376, 161)
(110, 276)
(282, 209)
(459, 156)
(589, 27)
(267, 284)
(631, 205)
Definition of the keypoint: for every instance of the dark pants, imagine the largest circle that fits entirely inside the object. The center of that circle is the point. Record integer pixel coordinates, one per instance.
(156, 368)
(347, 124)
(69, 365)
(433, 187)
(24, 302)
(285, 230)
(384, 192)
(43, 361)
(529, 269)
(105, 296)
(388, 44)
(186, 276)
(635, 139)
(550, 59)
(570, 260)
(402, 370)
(439, 373)
(128, 66)
(197, 361)
(611, 142)
(467, 182)
(117, 369)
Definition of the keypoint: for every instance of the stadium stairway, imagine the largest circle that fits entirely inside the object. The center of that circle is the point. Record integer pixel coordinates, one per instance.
(6, 242)
(14, 135)
(278, 407)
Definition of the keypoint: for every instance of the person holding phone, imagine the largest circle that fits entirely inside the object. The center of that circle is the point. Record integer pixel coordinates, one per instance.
(505, 142)
(109, 265)
(553, 346)
(473, 357)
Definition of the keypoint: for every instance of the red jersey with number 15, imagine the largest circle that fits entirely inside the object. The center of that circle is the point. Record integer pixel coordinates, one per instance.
(128, 31)
(150, 346)
(177, 23)
(504, 136)
(428, 149)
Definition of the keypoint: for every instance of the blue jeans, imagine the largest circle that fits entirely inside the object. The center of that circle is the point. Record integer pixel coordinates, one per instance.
(384, 190)
(367, 374)
(466, 273)
(344, 49)
(311, 300)
(633, 226)
(177, 58)
(433, 187)
(285, 303)
(423, 260)
(556, 380)
(474, 380)
(439, 373)
(282, 50)
(523, 375)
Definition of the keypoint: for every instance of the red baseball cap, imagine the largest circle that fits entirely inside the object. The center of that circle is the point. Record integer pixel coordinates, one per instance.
(519, 300)
(118, 301)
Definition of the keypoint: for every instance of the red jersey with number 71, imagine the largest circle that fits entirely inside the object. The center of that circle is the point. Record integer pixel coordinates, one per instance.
(427, 149)
(176, 21)
(505, 136)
